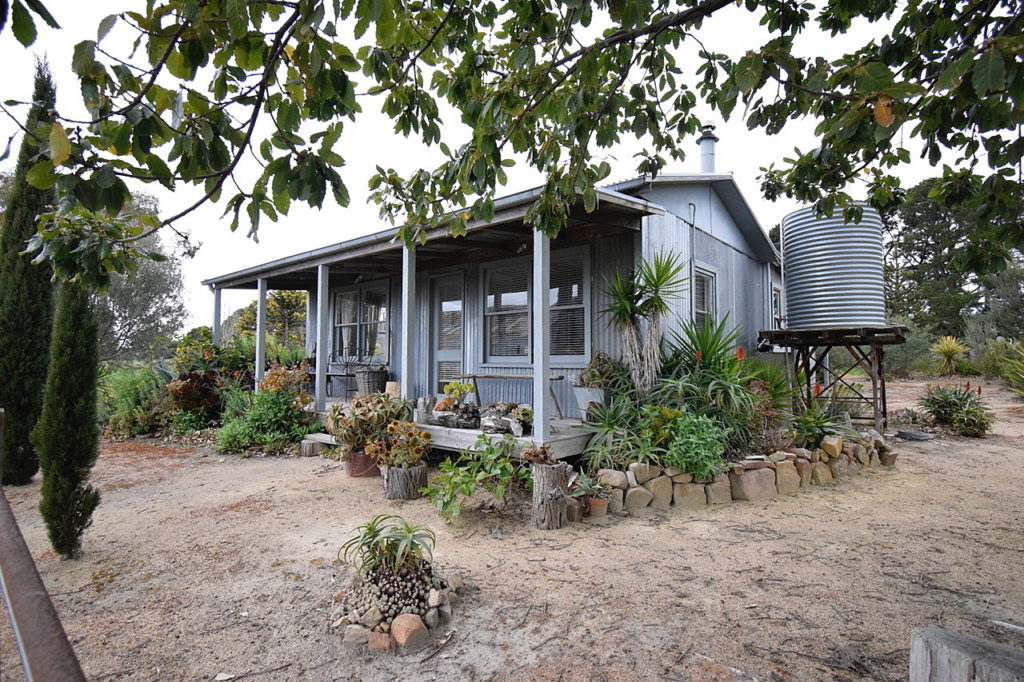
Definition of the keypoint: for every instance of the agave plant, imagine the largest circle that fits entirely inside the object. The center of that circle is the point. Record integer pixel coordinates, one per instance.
(947, 350)
(388, 542)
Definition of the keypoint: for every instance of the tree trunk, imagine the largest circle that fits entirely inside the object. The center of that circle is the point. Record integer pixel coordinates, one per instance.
(550, 493)
(404, 484)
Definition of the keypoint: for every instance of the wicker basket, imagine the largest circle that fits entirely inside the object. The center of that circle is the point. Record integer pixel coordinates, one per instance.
(371, 380)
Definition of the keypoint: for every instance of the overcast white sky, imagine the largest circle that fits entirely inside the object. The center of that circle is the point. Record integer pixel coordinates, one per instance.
(370, 141)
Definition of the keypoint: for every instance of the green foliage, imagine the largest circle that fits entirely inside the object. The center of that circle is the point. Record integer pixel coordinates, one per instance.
(1013, 370)
(189, 422)
(457, 390)
(200, 355)
(948, 351)
(197, 392)
(959, 407)
(271, 421)
(365, 419)
(26, 301)
(586, 487)
(696, 446)
(286, 318)
(489, 464)
(388, 542)
(600, 372)
(404, 445)
(813, 424)
(66, 435)
(135, 401)
(912, 357)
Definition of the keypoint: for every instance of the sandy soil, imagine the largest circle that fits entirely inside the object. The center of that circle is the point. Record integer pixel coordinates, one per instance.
(199, 564)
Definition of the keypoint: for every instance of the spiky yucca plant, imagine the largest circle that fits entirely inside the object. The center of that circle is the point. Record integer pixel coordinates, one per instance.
(947, 350)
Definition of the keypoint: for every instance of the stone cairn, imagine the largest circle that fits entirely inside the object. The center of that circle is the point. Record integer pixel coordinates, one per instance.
(446, 412)
(506, 418)
(753, 479)
(384, 611)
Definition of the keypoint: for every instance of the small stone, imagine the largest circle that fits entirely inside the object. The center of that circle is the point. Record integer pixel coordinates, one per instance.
(860, 453)
(434, 598)
(875, 438)
(852, 467)
(801, 452)
(631, 479)
(689, 496)
(409, 632)
(353, 617)
(371, 617)
(661, 488)
(445, 611)
(682, 478)
(384, 627)
(615, 502)
(888, 458)
(803, 467)
(755, 485)
(574, 509)
(338, 623)
(616, 479)
(875, 461)
(719, 491)
(816, 455)
(832, 445)
(787, 480)
(644, 472)
(379, 641)
(637, 498)
(432, 619)
(355, 636)
(456, 582)
(821, 474)
(340, 596)
(777, 457)
(754, 464)
(672, 471)
(848, 449)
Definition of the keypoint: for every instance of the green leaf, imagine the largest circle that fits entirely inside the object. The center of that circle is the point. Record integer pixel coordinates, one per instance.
(105, 25)
(989, 73)
(60, 145)
(83, 61)
(22, 25)
(41, 175)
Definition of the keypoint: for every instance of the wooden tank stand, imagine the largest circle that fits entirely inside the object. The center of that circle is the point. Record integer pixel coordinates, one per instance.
(808, 350)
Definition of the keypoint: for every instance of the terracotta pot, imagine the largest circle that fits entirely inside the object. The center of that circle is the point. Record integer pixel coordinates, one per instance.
(360, 465)
(597, 506)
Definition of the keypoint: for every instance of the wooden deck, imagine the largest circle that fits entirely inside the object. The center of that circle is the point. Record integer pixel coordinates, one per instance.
(567, 438)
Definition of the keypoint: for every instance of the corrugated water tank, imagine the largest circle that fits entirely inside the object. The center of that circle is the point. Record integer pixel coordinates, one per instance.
(833, 270)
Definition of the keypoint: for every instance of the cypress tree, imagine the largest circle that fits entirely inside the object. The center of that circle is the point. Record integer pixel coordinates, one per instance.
(66, 435)
(26, 301)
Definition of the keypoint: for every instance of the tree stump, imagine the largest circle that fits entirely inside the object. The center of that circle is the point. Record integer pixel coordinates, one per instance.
(310, 448)
(550, 495)
(404, 484)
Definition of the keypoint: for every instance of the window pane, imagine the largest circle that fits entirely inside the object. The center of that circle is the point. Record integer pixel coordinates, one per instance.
(345, 310)
(375, 305)
(567, 282)
(449, 332)
(376, 336)
(508, 335)
(345, 341)
(568, 335)
(507, 290)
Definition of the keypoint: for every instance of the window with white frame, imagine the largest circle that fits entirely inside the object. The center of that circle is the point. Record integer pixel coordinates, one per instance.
(361, 322)
(703, 297)
(507, 310)
(777, 307)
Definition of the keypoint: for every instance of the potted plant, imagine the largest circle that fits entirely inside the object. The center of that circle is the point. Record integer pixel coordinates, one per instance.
(401, 457)
(591, 385)
(594, 493)
(363, 421)
(452, 412)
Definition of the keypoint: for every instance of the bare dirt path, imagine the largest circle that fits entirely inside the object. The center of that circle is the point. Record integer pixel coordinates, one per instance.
(199, 564)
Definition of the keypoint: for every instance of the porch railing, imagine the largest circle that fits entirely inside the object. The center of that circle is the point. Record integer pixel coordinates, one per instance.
(45, 651)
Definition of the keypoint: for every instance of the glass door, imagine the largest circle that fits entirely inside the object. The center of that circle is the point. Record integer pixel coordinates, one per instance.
(447, 321)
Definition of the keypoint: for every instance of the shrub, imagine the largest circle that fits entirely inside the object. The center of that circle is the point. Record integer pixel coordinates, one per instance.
(992, 357)
(1013, 371)
(948, 351)
(697, 445)
(189, 422)
(958, 407)
(908, 358)
(135, 401)
(271, 423)
(813, 424)
(490, 465)
(387, 542)
(289, 380)
(198, 355)
(365, 419)
(197, 392)
(404, 445)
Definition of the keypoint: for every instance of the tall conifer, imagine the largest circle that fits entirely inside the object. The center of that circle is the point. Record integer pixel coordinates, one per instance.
(26, 300)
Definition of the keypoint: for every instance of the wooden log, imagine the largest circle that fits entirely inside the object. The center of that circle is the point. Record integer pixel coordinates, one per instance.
(404, 484)
(938, 655)
(310, 448)
(550, 495)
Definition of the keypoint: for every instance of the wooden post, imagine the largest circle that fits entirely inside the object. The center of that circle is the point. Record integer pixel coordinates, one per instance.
(261, 330)
(550, 495)
(408, 317)
(541, 346)
(323, 338)
(217, 332)
(876, 373)
(311, 323)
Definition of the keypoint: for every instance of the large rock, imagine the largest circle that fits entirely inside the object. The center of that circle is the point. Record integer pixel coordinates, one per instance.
(661, 488)
(787, 480)
(801, 452)
(832, 445)
(803, 468)
(875, 438)
(860, 453)
(689, 496)
(755, 485)
(682, 478)
(821, 474)
(644, 472)
(852, 467)
(410, 633)
(638, 498)
(355, 636)
(615, 502)
(887, 458)
(719, 491)
(574, 509)
(875, 461)
(616, 479)
(838, 467)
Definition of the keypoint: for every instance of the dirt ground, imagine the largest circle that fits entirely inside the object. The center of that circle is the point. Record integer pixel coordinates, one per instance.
(199, 564)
